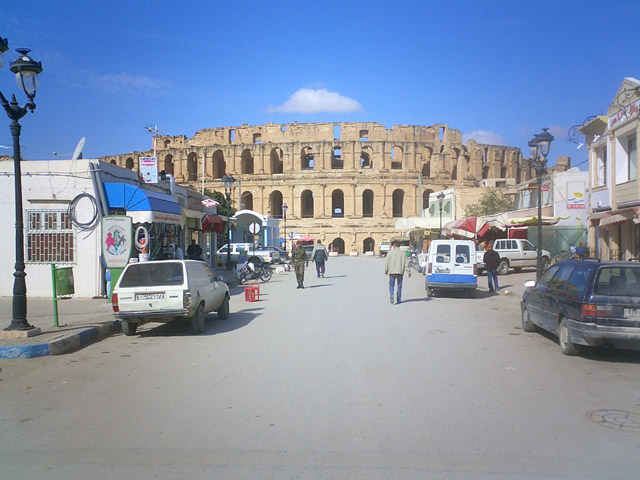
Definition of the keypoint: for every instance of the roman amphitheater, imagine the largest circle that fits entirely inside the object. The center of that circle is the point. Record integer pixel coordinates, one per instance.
(344, 183)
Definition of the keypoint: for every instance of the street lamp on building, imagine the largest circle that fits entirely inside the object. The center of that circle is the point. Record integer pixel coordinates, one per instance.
(26, 71)
(440, 199)
(539, 147)
(284, 217)
(227, 183)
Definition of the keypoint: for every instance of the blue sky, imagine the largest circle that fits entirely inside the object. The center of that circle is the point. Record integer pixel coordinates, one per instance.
(495, 70)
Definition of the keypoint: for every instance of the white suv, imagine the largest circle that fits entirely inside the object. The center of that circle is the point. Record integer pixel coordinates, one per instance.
(168, 290)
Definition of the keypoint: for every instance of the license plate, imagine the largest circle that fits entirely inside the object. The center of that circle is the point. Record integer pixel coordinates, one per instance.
(150, 296)
(632, 314)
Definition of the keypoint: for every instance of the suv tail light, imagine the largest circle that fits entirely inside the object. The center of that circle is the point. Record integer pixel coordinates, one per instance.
(186, 299)
(596, 310)
(114, 302)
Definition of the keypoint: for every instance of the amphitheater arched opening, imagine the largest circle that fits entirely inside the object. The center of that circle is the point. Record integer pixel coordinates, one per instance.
(192, 167)
(336, 158)
(246, 201)
(167, 144)
(368, 245)
(426, 169)
(113, 162)
(396, 158)
(337, 203)
(398, 200)
(367, 203)
(306, 204)
(307, 158)
(337, 245)
(425, 199)
(128, 164)
(246, 162)
(485, 172)
(276, 163)
(219, 164)
(275, 204)
(168, 164)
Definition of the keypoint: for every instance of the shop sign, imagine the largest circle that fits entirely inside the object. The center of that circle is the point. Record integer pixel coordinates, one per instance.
(117, 240)
(149, 169)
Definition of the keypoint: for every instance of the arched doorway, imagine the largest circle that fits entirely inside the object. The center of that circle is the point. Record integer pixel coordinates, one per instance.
(337, 245)
(306, 204)
(277, 165)
(246, 162)
(246, 201)
(192, 167)
(398, 199)
(337, 203)
(368, 245)
(219, 165)
(367, 203)
(168, 164)
(275, 204)
(129, 163)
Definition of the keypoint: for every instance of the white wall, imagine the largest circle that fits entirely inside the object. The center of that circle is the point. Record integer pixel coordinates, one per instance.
(49, 185)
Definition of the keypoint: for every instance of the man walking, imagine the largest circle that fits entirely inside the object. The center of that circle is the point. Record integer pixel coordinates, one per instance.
(397, 262)
(194, 252)
(320, 256)
(300, 262)
(491, 261)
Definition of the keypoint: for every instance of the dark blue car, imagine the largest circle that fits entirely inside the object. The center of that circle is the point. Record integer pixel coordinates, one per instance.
(586, 303)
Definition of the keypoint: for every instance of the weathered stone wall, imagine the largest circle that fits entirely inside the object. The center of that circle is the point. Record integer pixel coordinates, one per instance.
(347, 180)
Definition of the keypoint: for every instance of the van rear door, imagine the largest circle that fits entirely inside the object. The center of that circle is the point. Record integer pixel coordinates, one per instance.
(464, 259)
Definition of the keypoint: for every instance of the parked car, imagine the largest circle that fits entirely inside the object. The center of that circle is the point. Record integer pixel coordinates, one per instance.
(268, 254)
(518, 253)
(385, 246)
(586, 303)
(166, 291)
(451, 265)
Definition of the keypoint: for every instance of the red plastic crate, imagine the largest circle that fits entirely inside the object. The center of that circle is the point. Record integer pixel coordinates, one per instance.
(251, 294)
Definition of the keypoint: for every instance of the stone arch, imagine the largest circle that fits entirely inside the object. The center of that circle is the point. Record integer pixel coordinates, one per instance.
(337, 162)
(366, 157)
(485, 172)
(425, 198)
(167, 143)
(307, 158)
(128, 164)
(219, 164)
(246, 162)
(246, 201)
(113, 162)
(306, 204)
(397, 201)
(192, 167)
(368, 245)
(397, 155)
(337, 203)
(337, 245)
(168, 164)
(275, 204)
(367, 203)
(275, 160)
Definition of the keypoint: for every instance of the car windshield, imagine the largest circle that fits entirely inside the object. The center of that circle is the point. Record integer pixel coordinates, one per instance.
(151, 274)
(618, 280)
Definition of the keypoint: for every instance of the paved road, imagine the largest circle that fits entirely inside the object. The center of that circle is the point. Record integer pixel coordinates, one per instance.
(328, 382)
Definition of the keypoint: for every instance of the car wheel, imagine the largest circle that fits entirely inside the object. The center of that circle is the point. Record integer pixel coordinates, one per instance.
(223, 311)
(197, 321)
(129, 328)
(564, 337)
(527, 324)
(503, 268)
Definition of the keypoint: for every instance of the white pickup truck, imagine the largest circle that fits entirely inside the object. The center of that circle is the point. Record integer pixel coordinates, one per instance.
(515, 253)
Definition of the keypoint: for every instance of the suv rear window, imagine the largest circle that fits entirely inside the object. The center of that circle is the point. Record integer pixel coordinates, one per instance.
(149, 274)
(622, 281)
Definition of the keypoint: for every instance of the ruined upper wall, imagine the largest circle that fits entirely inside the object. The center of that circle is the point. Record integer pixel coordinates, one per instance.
(314, 132)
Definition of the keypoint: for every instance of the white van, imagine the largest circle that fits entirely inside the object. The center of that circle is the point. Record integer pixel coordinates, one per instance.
(451, 264)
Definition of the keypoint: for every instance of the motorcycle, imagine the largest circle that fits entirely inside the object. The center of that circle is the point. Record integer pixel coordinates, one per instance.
(251, 271)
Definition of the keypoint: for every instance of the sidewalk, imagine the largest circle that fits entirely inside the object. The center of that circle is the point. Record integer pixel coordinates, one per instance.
(82, 321)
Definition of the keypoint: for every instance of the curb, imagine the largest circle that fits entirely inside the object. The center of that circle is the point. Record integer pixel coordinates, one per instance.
(70, 342)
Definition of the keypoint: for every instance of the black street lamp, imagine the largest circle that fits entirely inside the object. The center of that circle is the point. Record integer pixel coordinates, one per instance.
(539, 148)
(227, 183)
(284, 217)
(26, 71)
(440, 199)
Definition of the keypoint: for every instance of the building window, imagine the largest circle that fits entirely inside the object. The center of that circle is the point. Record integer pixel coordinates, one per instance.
(601, 167)
(50, 237)
(632, 156)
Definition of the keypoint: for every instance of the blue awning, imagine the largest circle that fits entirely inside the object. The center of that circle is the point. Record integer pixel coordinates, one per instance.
(141, 204)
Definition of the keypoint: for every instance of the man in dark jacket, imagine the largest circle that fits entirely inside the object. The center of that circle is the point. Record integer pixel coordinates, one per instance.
(320, 256)
(491, 261)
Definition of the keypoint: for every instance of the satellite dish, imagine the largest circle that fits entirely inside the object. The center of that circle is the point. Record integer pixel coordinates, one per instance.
(78, 151)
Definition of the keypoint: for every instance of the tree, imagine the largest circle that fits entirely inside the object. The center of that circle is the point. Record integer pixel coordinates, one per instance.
(493, 201)
(222, 200)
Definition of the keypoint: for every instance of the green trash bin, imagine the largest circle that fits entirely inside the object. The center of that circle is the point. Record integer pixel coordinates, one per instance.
(64, 281)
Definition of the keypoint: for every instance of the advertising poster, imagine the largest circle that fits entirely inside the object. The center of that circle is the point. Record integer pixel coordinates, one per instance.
(149, 169)
(576, 194)
(117, 240)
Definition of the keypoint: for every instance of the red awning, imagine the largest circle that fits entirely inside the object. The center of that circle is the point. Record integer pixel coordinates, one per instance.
(212, 223)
